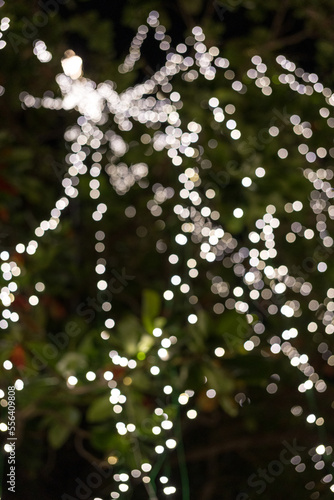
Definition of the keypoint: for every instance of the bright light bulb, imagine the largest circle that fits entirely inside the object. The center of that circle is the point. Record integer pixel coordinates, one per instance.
(72, 65)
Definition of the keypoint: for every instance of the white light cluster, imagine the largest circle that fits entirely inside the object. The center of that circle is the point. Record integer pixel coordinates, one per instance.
(198, 222)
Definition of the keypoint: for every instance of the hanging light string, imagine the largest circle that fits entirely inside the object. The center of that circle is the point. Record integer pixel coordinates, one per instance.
(198, 222)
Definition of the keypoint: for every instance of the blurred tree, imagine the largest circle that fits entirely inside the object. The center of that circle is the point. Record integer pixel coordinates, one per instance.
(166, 269)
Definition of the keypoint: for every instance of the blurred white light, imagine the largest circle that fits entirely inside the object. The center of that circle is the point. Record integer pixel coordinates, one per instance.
(238, 212)
(72, 65)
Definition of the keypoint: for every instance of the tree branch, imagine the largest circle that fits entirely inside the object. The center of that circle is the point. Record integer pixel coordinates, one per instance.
(286, 41)
(242, 443)
(279, 18)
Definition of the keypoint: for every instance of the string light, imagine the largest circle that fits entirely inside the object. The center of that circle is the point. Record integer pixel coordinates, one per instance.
(257, 279)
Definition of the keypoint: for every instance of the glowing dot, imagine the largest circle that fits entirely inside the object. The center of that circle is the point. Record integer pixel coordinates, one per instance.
(210, 193)
(235, 134)
(155, 370)
(171, 443)
(100, 269)
(275, 348)
(108, 375)
(33, 300)
(311, 418)
(175, 96)
(40, 287)
(287, 311)
(20, 248)
(157, 332)
(297, 206)
(282, 153)
(191, 414)
(166, 424)
(109, 323)
(238, 213)
(211, 393)
(280, 288)
(163, 354)
(90, 376)
(181, 239)
(8, 365)
(123, 487)
(322, 267)
(308, 234)
(249, 277)
(169, 490)
(173, 259)
(231, 124)
(238, 291)
(260, 172)
(175, 280)
(213, 102)
(192, 318)
(272, 388)
(72, 380)
(183, 399)
(72, 65)
(19, 384)
(320, 449)
(246, 181)
(14, 317)
(184, 288)
(249, 345)
(219, 352)
(168, 295)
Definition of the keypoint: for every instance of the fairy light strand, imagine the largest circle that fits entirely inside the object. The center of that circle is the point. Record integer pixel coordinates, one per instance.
(198, 223)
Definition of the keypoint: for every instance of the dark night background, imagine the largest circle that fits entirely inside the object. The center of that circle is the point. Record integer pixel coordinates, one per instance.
(220, 449)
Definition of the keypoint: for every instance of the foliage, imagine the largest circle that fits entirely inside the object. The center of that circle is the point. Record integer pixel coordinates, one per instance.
(208, 351)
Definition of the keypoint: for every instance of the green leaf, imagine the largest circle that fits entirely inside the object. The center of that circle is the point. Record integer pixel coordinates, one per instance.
(202, 323)
(71, 362)
(128, 330)
(61, 429)
(58, 435)
(229, 405)
(99, 410)
(146, 342)
(71, 415)
(159, 322)
(151, 305)
(218, 379)
(104, 438)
